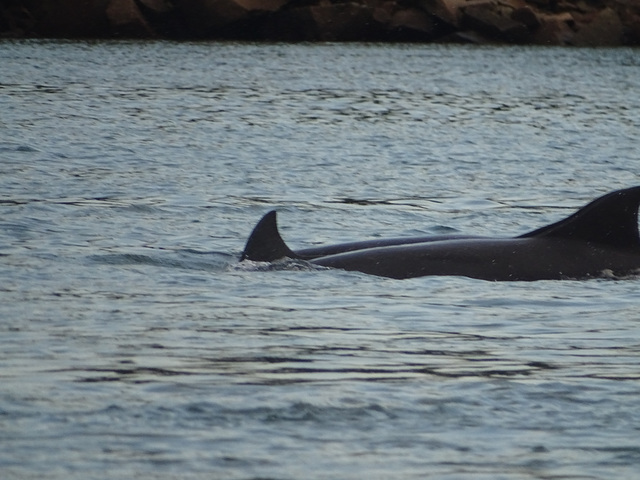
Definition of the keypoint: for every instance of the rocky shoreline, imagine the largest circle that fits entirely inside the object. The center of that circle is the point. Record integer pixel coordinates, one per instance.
(539, 22)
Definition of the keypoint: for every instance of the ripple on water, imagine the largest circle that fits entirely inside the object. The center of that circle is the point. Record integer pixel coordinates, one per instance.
(134, 343)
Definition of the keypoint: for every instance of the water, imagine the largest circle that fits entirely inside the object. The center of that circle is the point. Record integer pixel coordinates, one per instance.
(134, 346)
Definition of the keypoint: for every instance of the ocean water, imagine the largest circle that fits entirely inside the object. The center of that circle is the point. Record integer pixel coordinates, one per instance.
(134, 345)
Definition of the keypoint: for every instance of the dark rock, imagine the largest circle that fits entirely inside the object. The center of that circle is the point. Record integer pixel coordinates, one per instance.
(15, 20)
(205, 18)
(159, 7)
(348, 21)
(545, 3)
(126, 20)
(69, 18)
(550, 22)
(555, 29)
(487, 21)
(262, 5)
(163, 17)
(526, 16)
(240, 19)
(605, 29)
(465, 36)
(450, 11)
(334, 22)
(291, 25)
(632, 30)
(629, 14)
(413, 25)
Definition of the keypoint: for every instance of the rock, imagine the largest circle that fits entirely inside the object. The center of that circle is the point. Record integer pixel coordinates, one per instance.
(262, 5)
(554, 29)
(240, 19)
(632, 30)
(292, 25)
(605, 29)
(69, 18)
(555, 22)
(15, 20)
(159, 7)
(163, 17)
(384, 12)
(450, 11)
(205, 18)
(465, 36)
(489, 22)
(127, 21)
(349, 21)
(629, 14)
(545, 3)
(526, 16)
(332, 22)
(413, 25)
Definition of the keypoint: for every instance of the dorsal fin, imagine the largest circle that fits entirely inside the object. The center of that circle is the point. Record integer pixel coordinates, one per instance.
(609, 220)
(265, 243)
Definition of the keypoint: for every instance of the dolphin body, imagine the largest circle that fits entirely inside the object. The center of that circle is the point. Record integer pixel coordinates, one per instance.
(599, 240)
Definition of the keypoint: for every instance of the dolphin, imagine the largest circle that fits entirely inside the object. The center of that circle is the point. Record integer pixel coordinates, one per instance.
(600, 240)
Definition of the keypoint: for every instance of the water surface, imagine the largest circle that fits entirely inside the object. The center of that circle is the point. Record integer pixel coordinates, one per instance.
(132, 344)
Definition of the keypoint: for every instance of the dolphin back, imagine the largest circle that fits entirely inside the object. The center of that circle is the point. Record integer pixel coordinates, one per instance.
(610, 220)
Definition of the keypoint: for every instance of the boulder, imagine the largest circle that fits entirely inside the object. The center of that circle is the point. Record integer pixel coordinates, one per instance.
(15, 20)
(526, 16)
(555, 29)
(262, 5)
(450, 11)
(126, 20)
(69, 18)
(291, 25)
(209, 17)
(413, 25)
(465, 36)
(632, 29)
(629, 14)
(349, 21)
(488, 21)
(163, 18)
(544, 3)
(555, 22)
(332, 22)
(605, 29)
(158, 7)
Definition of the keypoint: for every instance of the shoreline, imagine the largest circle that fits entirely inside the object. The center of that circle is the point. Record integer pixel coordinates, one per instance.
(582, 23)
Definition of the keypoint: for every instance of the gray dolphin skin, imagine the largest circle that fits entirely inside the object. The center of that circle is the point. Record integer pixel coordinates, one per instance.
(601, 239)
